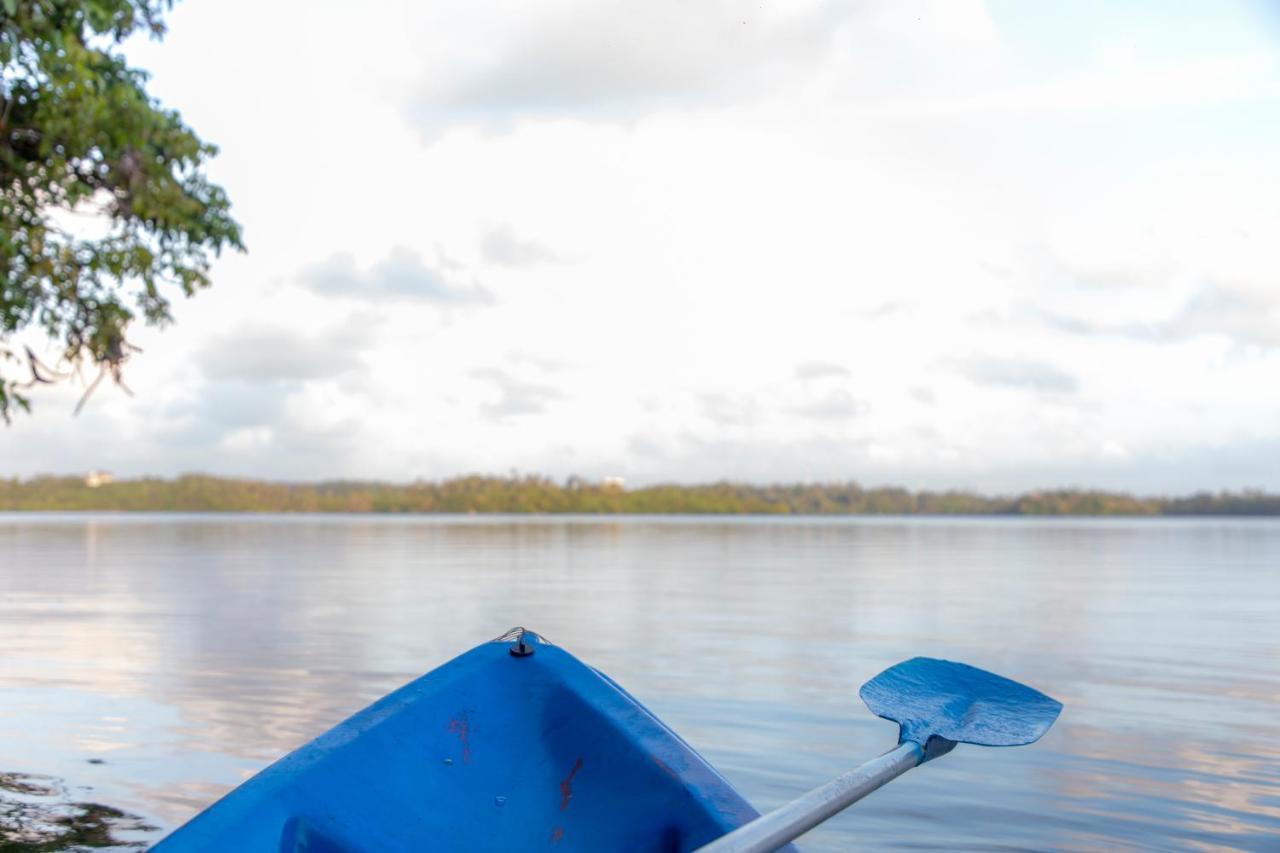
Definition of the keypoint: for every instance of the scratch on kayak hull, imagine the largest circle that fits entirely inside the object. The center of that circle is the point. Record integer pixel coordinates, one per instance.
(460, 726)
(566, 786)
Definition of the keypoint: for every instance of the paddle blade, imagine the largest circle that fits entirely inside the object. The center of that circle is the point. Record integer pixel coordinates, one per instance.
(938, 703)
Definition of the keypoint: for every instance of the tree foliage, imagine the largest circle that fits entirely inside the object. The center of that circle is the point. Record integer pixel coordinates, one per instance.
(79, 133)
(478, 494)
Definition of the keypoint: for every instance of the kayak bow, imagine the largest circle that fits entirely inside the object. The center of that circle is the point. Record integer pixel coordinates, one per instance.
(515, 745)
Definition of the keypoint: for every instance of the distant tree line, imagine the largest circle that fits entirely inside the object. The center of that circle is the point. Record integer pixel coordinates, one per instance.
(532, 494)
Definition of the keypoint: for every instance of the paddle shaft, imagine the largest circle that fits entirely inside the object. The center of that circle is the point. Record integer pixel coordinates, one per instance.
(771, 831)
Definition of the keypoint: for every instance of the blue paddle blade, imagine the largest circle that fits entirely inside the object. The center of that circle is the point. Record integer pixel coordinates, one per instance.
(938, 703)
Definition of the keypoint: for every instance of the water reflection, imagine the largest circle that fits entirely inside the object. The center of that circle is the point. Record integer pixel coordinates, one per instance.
(187, 652)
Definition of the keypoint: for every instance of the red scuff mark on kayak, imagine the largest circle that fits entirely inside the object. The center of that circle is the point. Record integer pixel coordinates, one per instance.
(566, 786)
(461, 726)
(666, 768)
(557, 834)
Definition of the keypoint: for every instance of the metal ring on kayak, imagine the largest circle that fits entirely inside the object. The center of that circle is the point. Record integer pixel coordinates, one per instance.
(522, 641)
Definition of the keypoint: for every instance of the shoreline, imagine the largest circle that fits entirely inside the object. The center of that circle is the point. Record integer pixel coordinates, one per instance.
(533, 495)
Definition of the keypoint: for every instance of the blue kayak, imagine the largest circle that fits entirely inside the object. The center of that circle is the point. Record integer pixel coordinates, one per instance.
(515, 745)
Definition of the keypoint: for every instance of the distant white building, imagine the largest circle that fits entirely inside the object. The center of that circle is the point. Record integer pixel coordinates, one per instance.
(614, 483)
(98, 478)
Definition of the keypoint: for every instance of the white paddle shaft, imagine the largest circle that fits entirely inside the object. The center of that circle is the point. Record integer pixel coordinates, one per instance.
(771, 831)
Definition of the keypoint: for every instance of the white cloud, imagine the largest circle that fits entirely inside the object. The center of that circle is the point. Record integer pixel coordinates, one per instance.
(500, 245)
(515, 396)
(727, 410)
(623, 58)
(402, 275)
(836, 405)
(256, 353)
(1030, 374)
(1239, 315)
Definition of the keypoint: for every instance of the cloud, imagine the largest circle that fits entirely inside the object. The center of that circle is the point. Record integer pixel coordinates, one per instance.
(836, 405)
(246, 428)
(501, 246)
(543, 363)
(727, 410)
(252, 409)
(820, 370)
(219, 409)
(265, 354)
(1244, 315)
(515, 396)
(1104, 278)
(1162, 331)
(1028, 374)
(623, 58)
(403, 275)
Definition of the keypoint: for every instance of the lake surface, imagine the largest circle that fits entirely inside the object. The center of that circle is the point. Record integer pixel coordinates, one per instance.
(153, 662)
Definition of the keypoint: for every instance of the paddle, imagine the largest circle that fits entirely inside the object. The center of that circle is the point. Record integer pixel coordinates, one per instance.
(936, 704)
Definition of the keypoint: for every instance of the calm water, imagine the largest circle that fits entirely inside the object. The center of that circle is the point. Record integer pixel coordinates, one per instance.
(185, 653)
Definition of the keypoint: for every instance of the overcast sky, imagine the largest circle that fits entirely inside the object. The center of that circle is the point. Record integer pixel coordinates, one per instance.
(942, 244)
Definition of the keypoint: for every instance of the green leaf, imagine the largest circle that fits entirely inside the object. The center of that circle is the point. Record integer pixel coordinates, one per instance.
(91, 129)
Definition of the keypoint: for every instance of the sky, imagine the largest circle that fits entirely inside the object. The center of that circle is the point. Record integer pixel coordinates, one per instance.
(951, 244)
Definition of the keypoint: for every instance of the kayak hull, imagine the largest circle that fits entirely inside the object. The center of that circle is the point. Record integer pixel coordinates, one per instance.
(492, 751)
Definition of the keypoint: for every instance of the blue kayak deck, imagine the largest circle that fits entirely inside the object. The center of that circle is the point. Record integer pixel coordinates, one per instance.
(491, 751)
